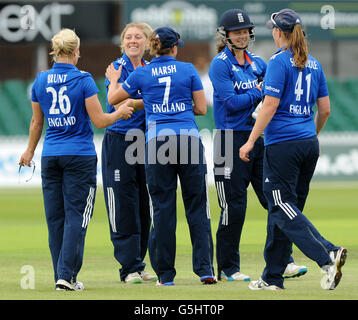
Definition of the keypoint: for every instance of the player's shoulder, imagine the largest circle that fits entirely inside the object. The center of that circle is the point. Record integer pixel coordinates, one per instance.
(312, 60)
(221, 57)
(255, 57)
(42, 74)
(185, 64)
(121, 61)
(278, 56)
(256, 61)
(81, 74)
(85, 73)
(220, 62)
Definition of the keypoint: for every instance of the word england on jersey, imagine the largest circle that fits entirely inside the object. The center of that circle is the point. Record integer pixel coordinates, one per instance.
(171, 107)
(61, 121)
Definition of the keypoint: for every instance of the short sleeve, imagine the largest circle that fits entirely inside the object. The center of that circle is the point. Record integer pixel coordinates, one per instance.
(274, 83)
(196, 84)
(89, 86)
(132, 84)
(323, 89)
(34, 97)
(124, 73)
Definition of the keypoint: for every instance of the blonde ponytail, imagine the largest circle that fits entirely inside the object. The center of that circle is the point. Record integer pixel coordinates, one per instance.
(64, 44)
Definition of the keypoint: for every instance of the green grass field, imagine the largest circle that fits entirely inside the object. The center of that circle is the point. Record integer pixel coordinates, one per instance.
(23, 241)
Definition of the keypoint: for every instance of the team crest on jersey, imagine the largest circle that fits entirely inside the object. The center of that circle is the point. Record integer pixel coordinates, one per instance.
(253, 66)
(240, 17)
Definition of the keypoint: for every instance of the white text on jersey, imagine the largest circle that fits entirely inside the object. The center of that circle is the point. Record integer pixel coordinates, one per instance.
(309, 64)
(300, 110)
(245, 85)
(56, 78)
(172, 107)
(61, 122)
(160, 71)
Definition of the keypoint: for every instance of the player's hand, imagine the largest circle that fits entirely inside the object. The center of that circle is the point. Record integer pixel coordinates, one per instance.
(125, 110)
(245, 150)
(112, 74)
(26, 157)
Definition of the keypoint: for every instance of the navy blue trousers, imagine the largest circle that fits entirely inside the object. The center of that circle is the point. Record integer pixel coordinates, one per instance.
(127, 202)
(69, 189)
(288, 170)
(232, 178)
(162, 178)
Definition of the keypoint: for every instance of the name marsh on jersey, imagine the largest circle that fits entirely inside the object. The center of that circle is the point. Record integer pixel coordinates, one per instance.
(165, 70)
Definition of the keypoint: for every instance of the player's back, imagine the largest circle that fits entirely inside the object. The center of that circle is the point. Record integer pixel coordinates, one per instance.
(61, 92)
(166, 85)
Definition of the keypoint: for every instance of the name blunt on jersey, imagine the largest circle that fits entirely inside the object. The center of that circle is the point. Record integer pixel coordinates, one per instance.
(172, 107)
(56, 78)
(61, 122)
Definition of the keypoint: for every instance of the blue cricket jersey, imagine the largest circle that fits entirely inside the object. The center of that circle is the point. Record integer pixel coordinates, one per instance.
(298, 91)
(166, 85)
(61, 93)
(235, 95)
(137, 120)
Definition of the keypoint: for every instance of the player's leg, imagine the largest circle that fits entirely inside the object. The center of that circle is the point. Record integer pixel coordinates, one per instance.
(122, 203)
(79, 191)
(51, 175)
(144, 210)
(277, 253)
(303, 184)
(292, 269)
(145, 220)
(231, 184)
(162, 186)
(197, 208)
(285, 160)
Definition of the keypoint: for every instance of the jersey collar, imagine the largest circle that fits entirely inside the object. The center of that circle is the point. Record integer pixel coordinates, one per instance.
(163, 59)
(282, 49)
(129, 62)
(233, 60)
(58, 65)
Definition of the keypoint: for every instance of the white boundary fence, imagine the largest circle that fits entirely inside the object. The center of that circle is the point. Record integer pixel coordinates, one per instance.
(338, 160)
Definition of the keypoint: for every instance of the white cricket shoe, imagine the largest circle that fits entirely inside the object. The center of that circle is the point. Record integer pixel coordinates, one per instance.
(333, 273)
(237, 276)
(293, 270)
(133, 278)
(147, 276)
(262, 285)
(78, 286)
(63, 285)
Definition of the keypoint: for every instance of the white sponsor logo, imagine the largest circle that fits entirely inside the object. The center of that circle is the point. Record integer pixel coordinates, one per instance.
(272, 89)
(190, 21)
(245, 85)
(25, 23)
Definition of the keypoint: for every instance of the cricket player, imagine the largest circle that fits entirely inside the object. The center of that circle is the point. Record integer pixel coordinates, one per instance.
(294, 83)
(174, 149)
(67, 98)
(236, 75)
(124, 183)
